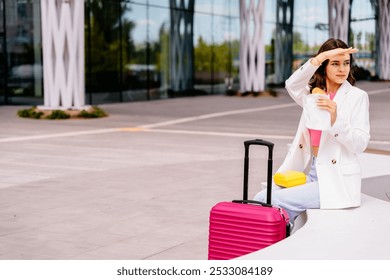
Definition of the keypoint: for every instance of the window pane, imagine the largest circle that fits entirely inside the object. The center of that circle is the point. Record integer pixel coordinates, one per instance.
(103, 56)
(136, 68)
(157, 3)
(21, 57)
(159, 52)
(216, 45)
(362, 36)
(3, 60)
(203, 6)
(269, 39)
(203, 52)
(147, 61)
(310, 30)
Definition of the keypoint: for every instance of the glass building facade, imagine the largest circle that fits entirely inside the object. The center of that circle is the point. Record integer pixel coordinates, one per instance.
(127, 47)
(20, 52)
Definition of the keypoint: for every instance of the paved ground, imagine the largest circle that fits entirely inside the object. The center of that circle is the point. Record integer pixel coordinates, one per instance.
(139, 184)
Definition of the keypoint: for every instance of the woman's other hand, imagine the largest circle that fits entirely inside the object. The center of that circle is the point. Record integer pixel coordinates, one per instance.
(330, 106)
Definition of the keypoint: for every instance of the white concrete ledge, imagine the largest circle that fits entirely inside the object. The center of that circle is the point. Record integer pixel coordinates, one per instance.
(347, 234)
(355, 233)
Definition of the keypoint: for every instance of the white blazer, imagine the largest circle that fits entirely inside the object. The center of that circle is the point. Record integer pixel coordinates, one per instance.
(338, 168)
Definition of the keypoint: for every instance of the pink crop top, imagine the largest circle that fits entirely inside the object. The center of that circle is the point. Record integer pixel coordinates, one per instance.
(315, 135)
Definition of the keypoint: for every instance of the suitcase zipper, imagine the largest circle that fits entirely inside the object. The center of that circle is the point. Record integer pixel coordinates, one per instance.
(284, 217)
(288, 225)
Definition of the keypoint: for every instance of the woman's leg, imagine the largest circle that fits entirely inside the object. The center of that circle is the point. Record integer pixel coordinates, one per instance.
(294, 200)
(297, 199)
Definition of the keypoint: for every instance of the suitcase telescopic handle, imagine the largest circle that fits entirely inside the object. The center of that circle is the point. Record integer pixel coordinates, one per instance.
(252, 202)
(270, 146)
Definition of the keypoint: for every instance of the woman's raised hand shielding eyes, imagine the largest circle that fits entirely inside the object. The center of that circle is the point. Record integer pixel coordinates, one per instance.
(332, 54)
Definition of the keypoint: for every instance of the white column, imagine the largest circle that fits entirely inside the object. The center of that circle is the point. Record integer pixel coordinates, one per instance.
(252, 52)
(338, 14)
(384, 39)
(63, 54)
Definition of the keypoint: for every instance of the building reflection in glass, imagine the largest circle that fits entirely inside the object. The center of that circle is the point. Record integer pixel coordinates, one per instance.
(128, 43)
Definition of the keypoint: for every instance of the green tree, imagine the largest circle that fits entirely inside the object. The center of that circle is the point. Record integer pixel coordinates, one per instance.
(299, 45)
(202, 56)
(110, 36)
(216, 57)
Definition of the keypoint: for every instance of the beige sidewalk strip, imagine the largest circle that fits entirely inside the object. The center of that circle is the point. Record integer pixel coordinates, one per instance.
(56, 135)
(225, 134)
(220, 114)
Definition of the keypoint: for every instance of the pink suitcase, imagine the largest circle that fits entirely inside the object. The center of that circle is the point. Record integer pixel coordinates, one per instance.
(243, 226)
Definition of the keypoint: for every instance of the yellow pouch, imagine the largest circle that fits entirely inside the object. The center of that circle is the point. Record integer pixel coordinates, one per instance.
(289, 178)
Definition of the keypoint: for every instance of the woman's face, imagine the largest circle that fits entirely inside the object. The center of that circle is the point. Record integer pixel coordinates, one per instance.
(338, 69)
